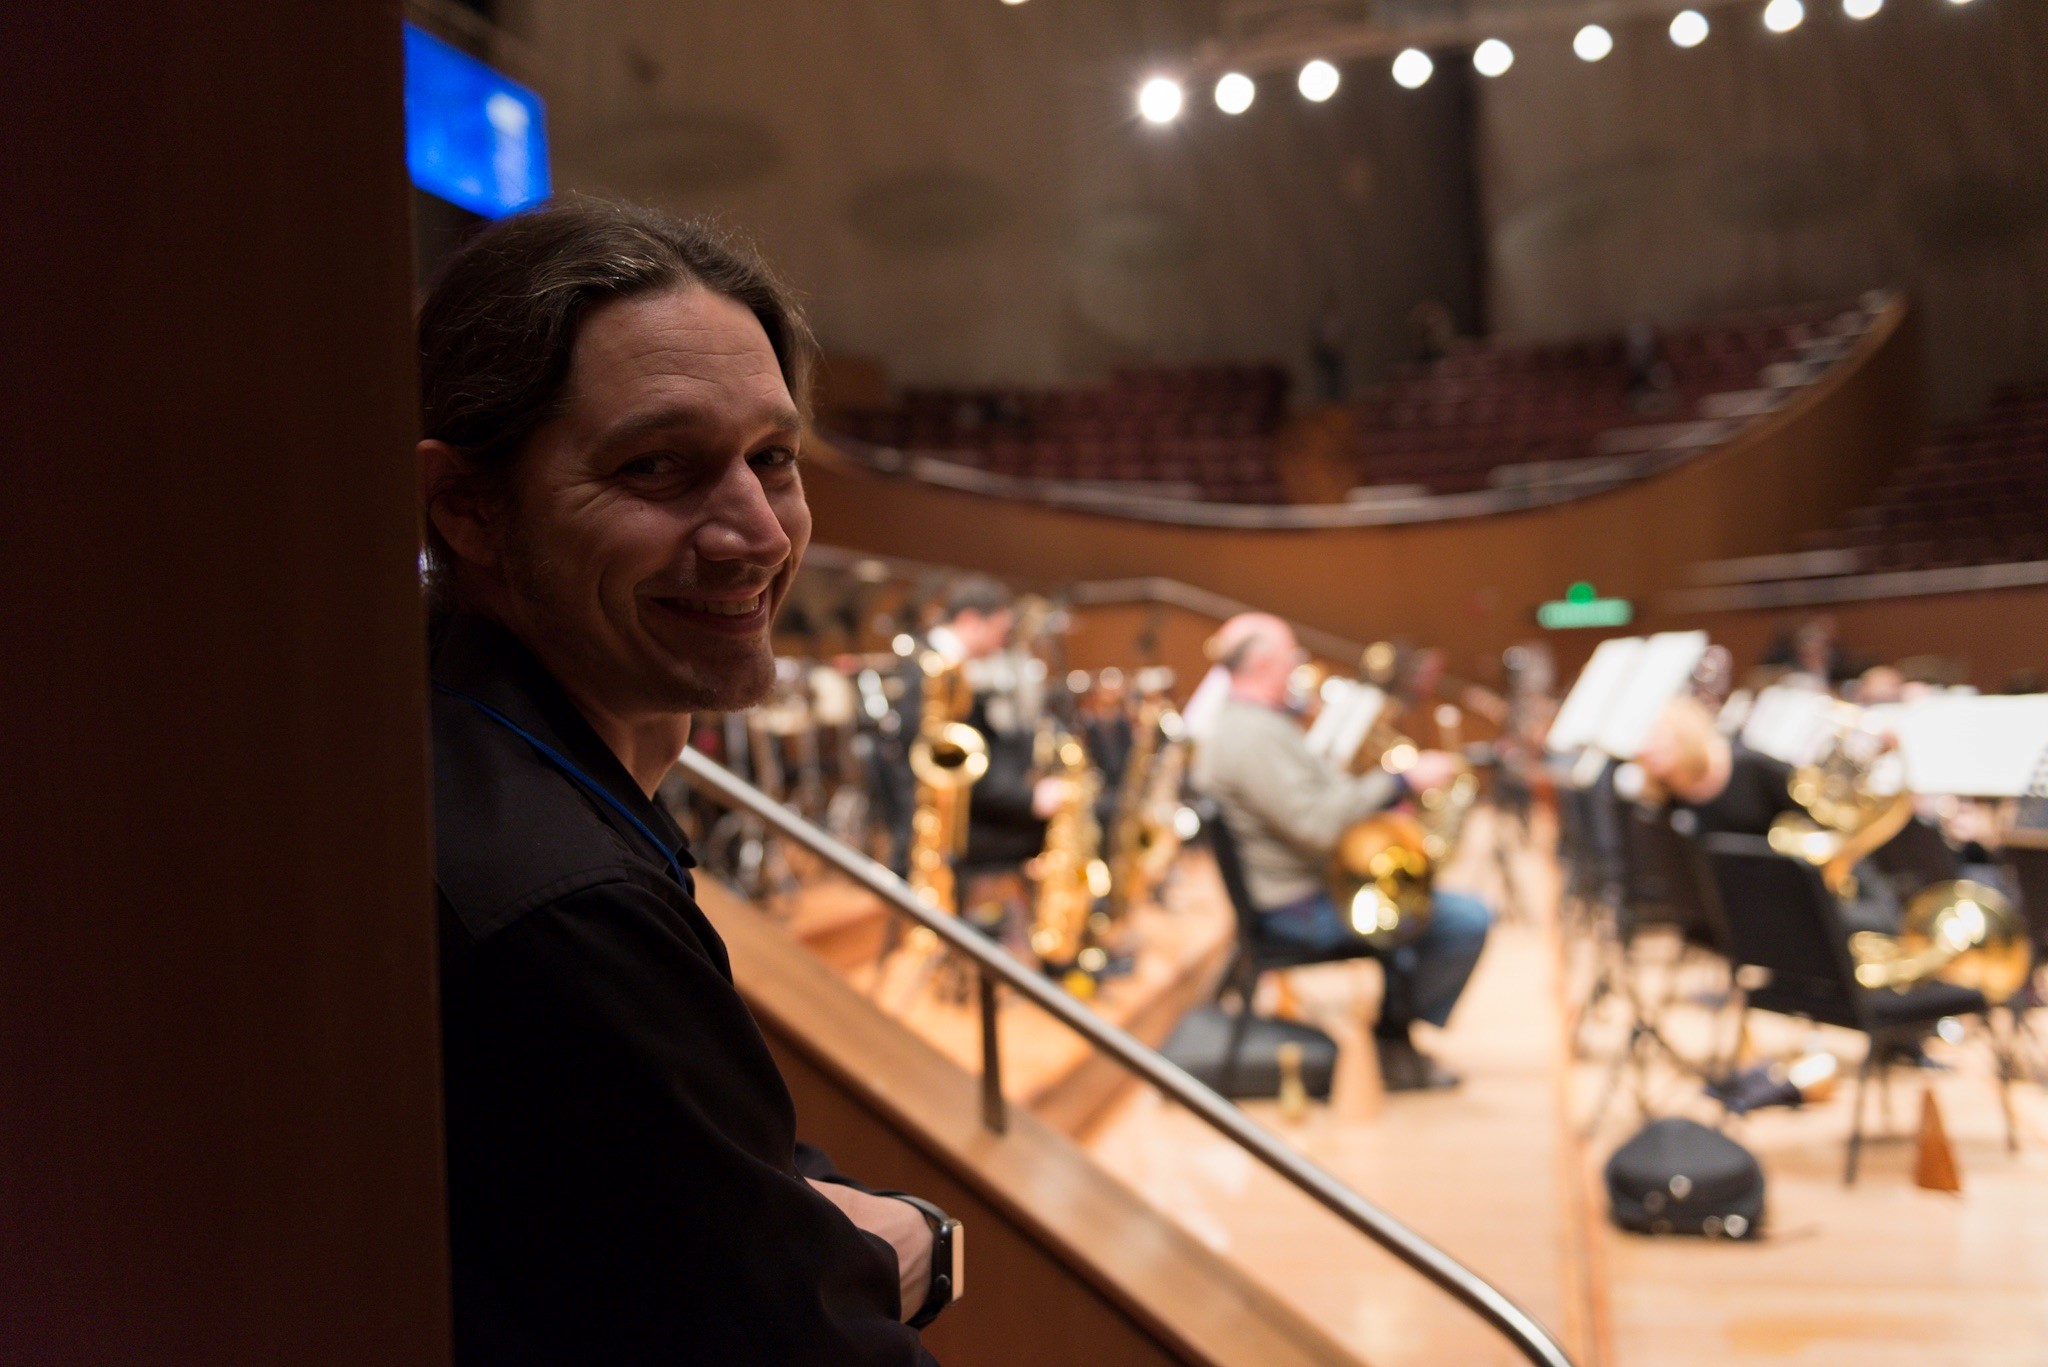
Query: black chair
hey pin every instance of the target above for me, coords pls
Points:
(2027, 862)
(1916, 857)
(1781, 918)
(2029, 865)
(1255, 954)
(1665, 881)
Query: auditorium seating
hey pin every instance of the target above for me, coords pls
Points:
(1977, 495)
(1191, 431)
(1488, 415)
(1491, 414)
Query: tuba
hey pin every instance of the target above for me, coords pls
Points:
(1959, 931)
(1846, 816)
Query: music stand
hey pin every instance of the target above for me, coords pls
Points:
(1578, 716)
(1608, 715)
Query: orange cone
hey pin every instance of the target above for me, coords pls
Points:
(1934, 1165)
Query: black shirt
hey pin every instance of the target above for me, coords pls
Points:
(1758, 792)
(624, 1181)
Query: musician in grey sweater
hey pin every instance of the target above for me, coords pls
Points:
(1286, 808)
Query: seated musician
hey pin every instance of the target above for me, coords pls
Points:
(1724, 789)
(1717, 787)
(1286, 808)
(1008, 807)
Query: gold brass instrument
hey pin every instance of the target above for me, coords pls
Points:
(1162, 824)
(1385, 865)
(947, 758)
(1071, 875)
(1959, 931)
(1128, 832)
(1380, 878)
(1845, 817)
(1443, 810)
(1142, 839)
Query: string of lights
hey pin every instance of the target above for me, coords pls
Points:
(1162, 98)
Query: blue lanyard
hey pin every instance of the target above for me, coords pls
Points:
(568, 766)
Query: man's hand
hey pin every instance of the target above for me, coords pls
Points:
(1431, 769)
(901, 1225)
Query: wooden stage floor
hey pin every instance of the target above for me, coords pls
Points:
(1883, 1274)
(1877, 1275)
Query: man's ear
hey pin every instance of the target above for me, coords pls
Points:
(457, 506)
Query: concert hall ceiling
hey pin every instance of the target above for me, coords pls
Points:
(964, 190)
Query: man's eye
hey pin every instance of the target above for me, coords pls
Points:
(774, 458)
(643, 467)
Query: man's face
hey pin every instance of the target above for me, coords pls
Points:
(657, 522)
(983, 635)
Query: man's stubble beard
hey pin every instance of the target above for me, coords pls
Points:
(536, 581)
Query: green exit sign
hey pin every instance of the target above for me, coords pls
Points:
(1582, 607)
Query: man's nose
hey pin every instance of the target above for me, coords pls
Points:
(741, 524)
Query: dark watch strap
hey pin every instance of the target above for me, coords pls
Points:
(946, 1257)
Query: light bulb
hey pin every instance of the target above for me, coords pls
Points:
(1318, 81)
(1159, 100)
(1592, 43)
(1689, 28)
(1234, 92)
(1412, 68)
(1782, 16)
(1492, 57)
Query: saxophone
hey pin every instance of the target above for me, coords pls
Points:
(947, 758)
(1143, 836)
(1163, 813)
(1130, 831)
(1072, 878)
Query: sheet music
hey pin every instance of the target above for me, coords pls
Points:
(1974, 746)
(1790, 724)
(1206, 701)
(1663, 668)
(1578, 719)
(1349, 710)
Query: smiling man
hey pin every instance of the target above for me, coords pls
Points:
(614, 514)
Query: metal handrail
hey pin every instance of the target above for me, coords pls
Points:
(994, 965)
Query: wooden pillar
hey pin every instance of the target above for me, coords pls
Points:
(219, 1095)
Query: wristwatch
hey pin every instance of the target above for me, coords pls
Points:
(949, 1258)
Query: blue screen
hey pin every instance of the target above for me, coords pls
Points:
(471, 136)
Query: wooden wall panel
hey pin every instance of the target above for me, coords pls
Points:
(219, 1082)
